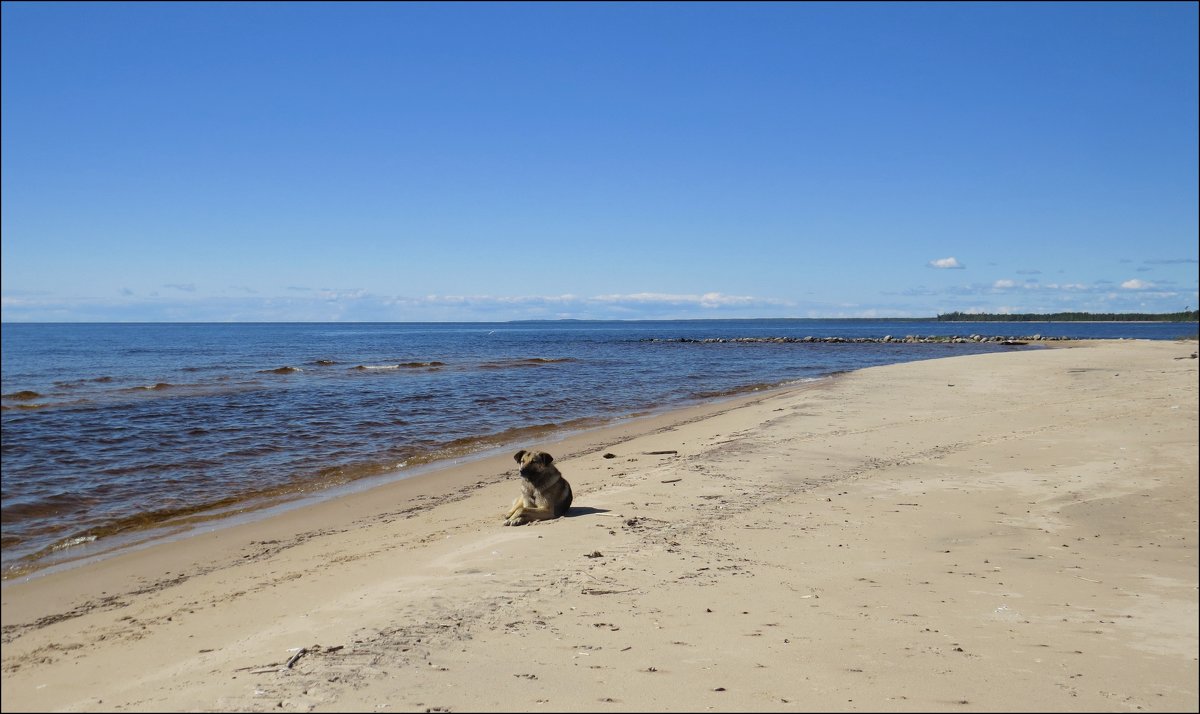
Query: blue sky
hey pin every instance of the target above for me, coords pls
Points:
(497, 161)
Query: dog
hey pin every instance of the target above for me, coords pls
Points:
(545, 494)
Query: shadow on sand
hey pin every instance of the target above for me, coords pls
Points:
(574, 511)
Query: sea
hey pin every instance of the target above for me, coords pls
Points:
(117, 434)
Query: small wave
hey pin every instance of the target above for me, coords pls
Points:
(280, 370)
(23, 395)
(402, 365)
(77, 383)
(532, 432)
(152, 387)
(43, 506)
(70, 542)
(324, 362)
(735, 391)
(74, 383)
(331, 476)
(525, 362)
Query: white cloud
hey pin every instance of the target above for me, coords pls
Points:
(1004, 284)
(950, 263)
(647, 298)
(1136, 284)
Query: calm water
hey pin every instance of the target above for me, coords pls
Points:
(116, 430)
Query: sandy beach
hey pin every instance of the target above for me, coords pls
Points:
(998, 532)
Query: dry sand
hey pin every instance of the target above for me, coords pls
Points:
(1005, 532)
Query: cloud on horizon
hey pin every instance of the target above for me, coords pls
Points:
(321, 305)
(358, 305)
(706, 301)
(950, 263)
(1031, 296)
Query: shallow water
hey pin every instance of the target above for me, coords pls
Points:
(116, 428)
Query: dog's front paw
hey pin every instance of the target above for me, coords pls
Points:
(515, 521)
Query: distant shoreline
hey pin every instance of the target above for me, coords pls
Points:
(1184, 316)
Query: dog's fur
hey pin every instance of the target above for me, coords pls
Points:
(545, 494)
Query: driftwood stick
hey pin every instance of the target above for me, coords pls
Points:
(303, 651)
(257, 668)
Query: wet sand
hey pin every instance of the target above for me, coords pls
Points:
(1000, 532)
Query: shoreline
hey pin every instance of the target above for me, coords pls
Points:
(255, 509)
(250, 512)
(887, 539)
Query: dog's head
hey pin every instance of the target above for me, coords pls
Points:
(532, 462)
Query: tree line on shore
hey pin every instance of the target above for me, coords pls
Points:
(1184, 316)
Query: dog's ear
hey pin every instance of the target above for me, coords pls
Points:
(545, 458)
(517, 456)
